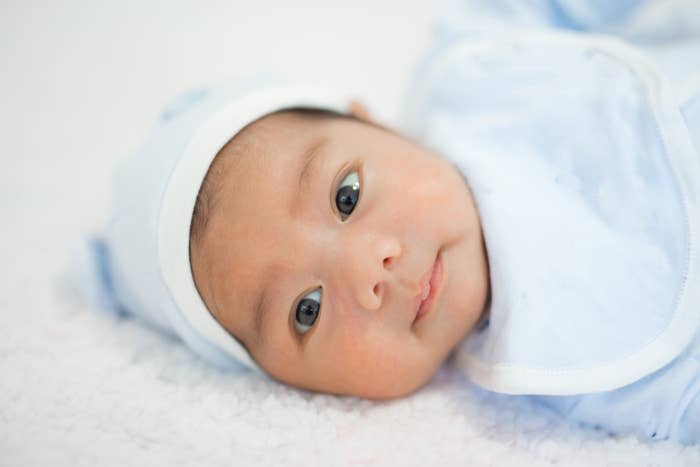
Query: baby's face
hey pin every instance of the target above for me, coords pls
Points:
(319, 251)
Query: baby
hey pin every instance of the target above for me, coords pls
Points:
(277, 226)
(344, 257)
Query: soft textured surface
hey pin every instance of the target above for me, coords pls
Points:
(79, 86)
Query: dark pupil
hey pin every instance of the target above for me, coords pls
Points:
(307, 310)
(346, 198)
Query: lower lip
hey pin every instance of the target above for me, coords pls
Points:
(435, 281)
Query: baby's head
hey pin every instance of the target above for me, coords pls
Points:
(315, 240)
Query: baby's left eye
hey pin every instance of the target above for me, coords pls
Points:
(348, 194)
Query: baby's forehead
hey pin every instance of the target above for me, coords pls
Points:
(278, 138)
(273, 141)
(267, 132)
(256, 143)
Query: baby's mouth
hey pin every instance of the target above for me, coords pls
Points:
(430, 286)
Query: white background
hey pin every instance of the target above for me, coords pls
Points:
(81, 82)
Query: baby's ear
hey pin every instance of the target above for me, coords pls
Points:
(357, 109)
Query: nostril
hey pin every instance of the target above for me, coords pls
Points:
(387, 261)
(377, 289)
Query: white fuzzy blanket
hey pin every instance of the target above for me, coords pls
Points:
(80, 83)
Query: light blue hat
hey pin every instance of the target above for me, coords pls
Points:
(141, 265)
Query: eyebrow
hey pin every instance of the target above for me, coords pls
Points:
(307, 165)
(307, 168)
(259, 313)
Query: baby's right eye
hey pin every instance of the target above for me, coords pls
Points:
(307, 311)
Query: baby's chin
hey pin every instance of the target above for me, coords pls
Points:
(387, 386)
(377, 392)
(394, 390)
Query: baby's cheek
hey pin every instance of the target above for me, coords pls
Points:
(375, 366)
(401, 366)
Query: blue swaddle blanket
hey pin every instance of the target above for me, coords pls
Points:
(579, 151)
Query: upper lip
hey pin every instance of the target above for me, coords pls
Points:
(425, 279)
(422, 283)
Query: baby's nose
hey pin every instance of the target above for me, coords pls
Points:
(368, 266)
